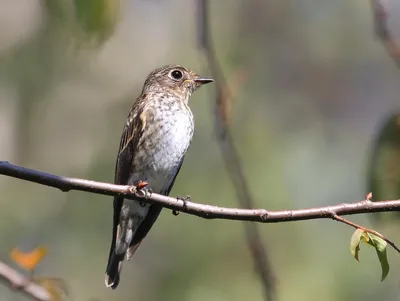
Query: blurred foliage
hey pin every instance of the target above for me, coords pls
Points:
(29, 261)
(384, 173)
(87, 20)
(38, 65)
(57, 288)
(97, 17)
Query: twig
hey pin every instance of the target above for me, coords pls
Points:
(230, 154)
(354, 225)
(192, 208)
(380, 17)
(21, 283)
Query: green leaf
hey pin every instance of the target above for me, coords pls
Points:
(374, 241)
(380, 247)
(84, 22)
(355, 243)
(97, 18)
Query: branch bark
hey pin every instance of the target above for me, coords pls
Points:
(192, 208)
(21, 283)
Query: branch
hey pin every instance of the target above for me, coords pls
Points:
(380, 18)
(356, 226)
(23, 284)
(223, 99)
(192, 208)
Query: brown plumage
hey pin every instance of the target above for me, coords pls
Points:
(156, 137)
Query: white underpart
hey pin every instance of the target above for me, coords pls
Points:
(164, 160)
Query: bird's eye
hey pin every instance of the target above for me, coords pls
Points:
(176, 74)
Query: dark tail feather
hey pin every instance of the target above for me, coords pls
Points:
(113, 270)
(122, 236)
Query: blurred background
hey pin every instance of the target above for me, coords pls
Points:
(316, 89)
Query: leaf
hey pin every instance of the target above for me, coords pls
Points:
(83, 22)
(374, 241)
(28, 261)
(56, 287)
(97, 18)
(355, 243)
(380, 247)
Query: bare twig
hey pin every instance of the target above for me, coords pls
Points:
(380, 17)
(23, 284)
(192, 208)
(230, 154)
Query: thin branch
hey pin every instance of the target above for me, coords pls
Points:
(192, 208)
(231, 157)
(354, 225)
(380, 18)
(21, 283)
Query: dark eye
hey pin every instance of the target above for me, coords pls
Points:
(176, 74)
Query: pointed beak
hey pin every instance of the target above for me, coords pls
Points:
(202, 81)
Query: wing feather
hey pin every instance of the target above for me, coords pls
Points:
(131, 135)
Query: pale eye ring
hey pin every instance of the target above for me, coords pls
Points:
(176, 74)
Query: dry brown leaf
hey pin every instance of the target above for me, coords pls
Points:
(28, 261)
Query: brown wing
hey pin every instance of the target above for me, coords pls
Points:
(133, 130)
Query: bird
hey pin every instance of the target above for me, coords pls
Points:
(156, 136)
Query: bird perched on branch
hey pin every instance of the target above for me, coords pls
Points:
(156, 137)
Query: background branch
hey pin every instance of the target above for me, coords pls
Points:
(21, 283)
(230, 154)
(380, 17)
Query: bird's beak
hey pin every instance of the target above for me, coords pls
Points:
(202, 81)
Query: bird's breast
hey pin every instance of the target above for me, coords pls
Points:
(163, 145)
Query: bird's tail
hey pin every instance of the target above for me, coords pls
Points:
(113, 269)
(122, 237)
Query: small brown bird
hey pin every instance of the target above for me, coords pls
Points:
(156, 137)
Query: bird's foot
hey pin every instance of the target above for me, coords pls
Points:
(145, 192)
(141, 184)
(184, 199)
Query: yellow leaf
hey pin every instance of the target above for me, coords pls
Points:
(56, 287)
(30, 260)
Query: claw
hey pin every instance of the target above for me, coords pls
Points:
(141, 186)
(184, 199)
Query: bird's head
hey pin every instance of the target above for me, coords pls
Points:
(174, 79)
